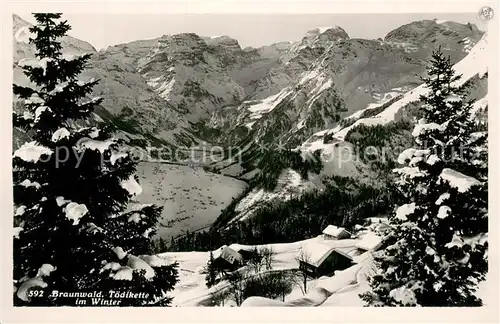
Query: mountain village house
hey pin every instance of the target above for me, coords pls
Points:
(332, 232)
(369, 242)
(227, 259)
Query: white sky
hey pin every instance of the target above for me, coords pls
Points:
(102, 30)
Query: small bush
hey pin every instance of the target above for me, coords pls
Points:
(270, 285)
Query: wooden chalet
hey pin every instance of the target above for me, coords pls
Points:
(227, 259)
(336, 252)
(324, 260)
(332, 232)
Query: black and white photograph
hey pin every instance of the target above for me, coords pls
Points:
(250, 160)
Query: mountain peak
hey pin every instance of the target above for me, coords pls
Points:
(315, 42)
(327, 33)
(223, 40)
(330, 29)
(18, 20)
(428, 31)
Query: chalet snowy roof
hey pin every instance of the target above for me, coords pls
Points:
(369, 242)
(228, 254)
(334, 230)
(315, 252)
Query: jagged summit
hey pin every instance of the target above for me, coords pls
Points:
(224, 43)
(18, 22)
(334, 31)
(321, 37)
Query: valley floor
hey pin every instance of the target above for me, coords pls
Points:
(191, 197)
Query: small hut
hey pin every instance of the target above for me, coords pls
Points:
(323, 260)
(332, 232)
(369, 242)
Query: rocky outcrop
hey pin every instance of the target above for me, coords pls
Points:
(185, 72)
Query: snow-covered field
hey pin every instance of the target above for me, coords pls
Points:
(185, 192)
(341, 289)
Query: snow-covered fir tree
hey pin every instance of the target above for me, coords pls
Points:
(74, 228)
(437, 252)
(211, 276)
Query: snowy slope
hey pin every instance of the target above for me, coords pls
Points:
(290, 184)
(338, 160)
(479, 106)
(22, 48)
(264, 106)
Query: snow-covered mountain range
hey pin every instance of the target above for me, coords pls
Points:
(186, 88)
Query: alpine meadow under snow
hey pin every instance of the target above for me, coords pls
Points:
(185, 170)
